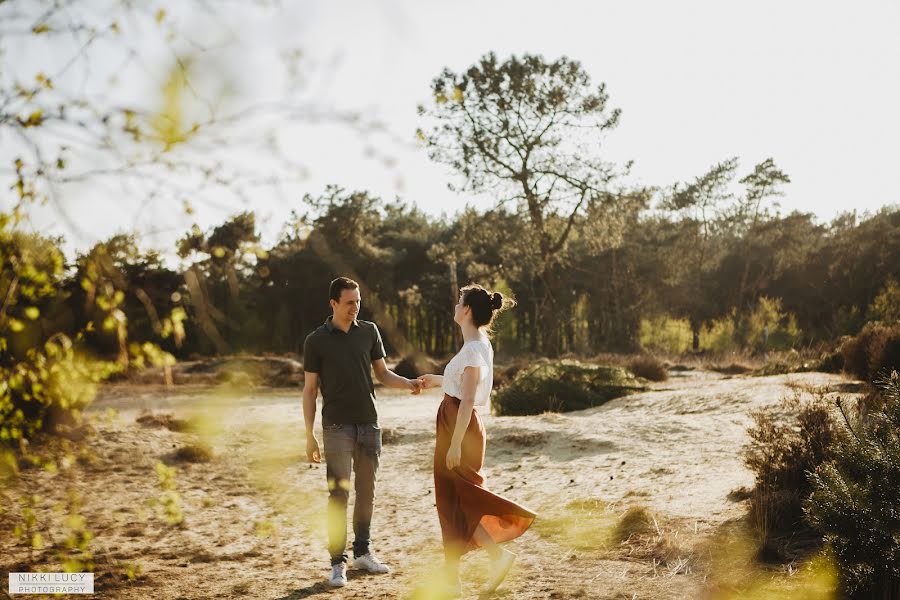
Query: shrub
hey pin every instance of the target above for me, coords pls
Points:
(886, 306)
(168, 421)
(648, 367)
(407, 368)
(419, 364)
(562, 386)
(874, 352)
(855, 504)
(194, 453)
(732, 369)
(666, 334)
(46, 377)
(783, 333)
(781, 453)
(831, 362)
(884, 352)
(719, 336)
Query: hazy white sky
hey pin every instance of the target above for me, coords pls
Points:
(813, 84)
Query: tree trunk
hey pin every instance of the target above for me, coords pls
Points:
(695, 335)
(454, 298)
(549, 317)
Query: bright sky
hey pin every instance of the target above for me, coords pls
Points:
(813, 84)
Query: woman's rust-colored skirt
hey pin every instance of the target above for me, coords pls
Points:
(463, 502)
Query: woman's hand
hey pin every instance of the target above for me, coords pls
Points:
(454, 456)
(430, 381)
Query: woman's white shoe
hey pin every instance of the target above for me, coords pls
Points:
(499, 569)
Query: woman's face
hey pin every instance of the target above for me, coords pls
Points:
(461, 312)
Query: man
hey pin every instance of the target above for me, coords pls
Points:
(339, 357)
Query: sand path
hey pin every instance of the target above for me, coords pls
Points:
(254, 524)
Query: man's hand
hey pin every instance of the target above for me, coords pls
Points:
(454, 456)
(312, 449)
(415, 386)
(429, 381)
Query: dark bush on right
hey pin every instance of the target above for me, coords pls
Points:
(873, 353)
(648, 367)
(562, 386)
(855, 502)
(787, 443)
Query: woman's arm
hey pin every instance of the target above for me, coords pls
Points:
(469, 384)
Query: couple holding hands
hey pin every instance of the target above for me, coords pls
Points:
(339, 357)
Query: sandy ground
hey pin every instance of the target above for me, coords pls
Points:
(254, 515)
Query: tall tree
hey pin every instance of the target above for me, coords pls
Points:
(222, 258)
(528, 132)
(762, 186)
(701, 204)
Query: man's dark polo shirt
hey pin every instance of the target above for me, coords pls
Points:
(344, 364)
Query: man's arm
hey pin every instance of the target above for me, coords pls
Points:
(390, 379)
(310, 391)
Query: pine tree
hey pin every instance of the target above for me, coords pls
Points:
(856, 501)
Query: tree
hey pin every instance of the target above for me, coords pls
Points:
(115, 284)
(222, 258)
(152, 102)
(528, 132)
(702, 204)
(762, 185)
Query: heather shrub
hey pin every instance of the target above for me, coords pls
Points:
(787, 443)
(648, 367)
(874, 352)
(562, 386)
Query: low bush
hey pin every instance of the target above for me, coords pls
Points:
(830, 362)
(194, 453)
(787, 443)
(563, 386)
(649, 367)
(873, 353)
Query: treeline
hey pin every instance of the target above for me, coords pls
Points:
(670, 281)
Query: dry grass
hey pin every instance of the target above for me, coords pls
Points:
(594, 527)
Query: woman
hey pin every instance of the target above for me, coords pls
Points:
(470, 515)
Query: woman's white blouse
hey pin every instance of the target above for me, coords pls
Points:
(474, 353)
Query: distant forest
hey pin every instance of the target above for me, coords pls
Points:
(663, 279)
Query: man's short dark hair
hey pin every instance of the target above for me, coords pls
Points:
(339, 285)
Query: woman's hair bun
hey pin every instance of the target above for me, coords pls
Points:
(496, 300)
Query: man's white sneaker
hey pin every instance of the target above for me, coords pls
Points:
(370, 563)
(338, 575)
(499, 570)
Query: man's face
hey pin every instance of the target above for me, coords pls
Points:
(347, 308)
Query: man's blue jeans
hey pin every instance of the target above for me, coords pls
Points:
(356, 447)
